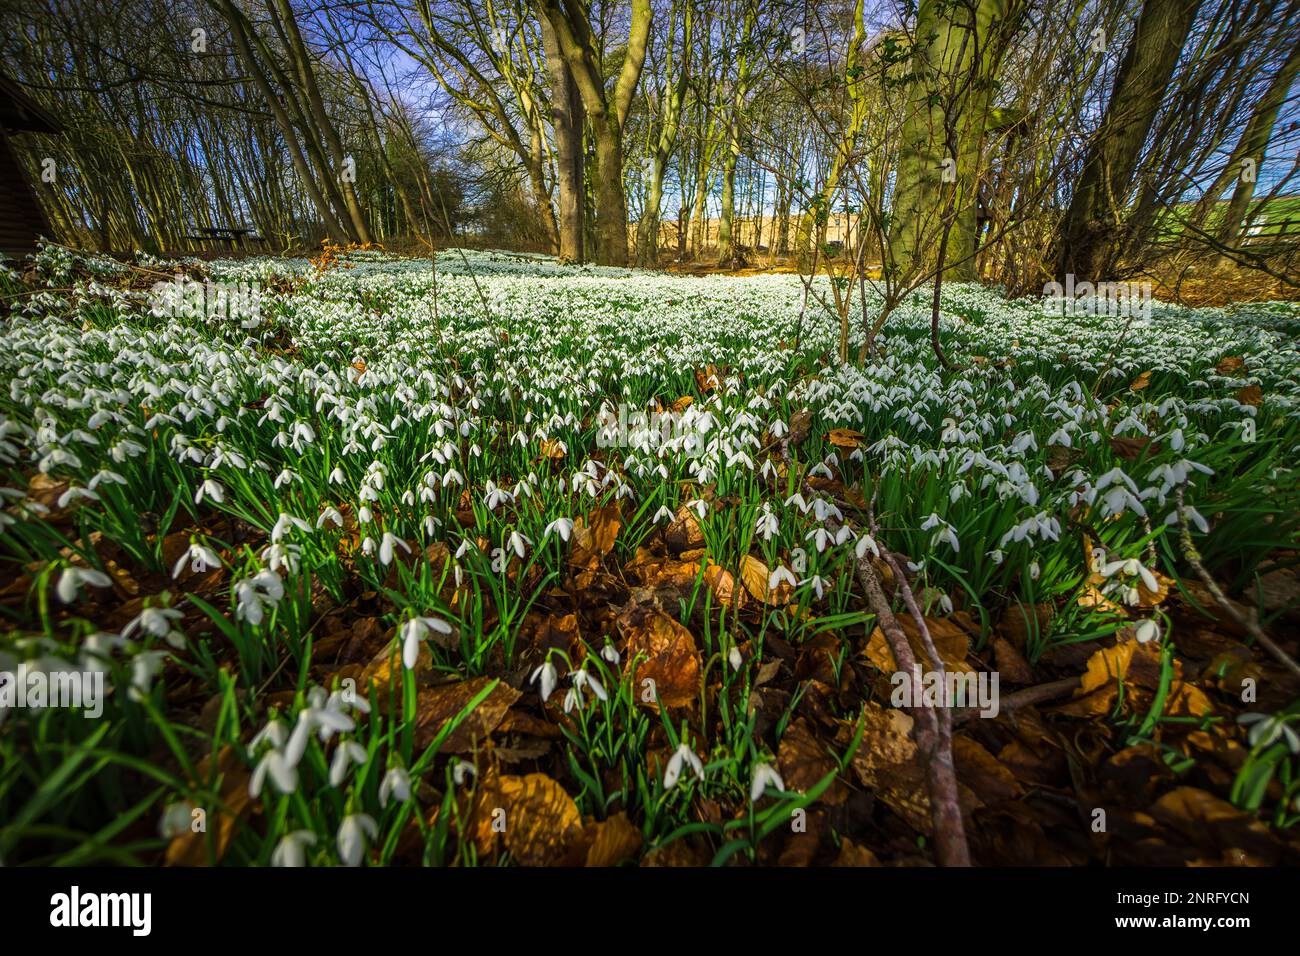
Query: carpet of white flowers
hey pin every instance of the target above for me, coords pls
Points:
(516, 562)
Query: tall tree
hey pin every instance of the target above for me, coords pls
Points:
(606, 109)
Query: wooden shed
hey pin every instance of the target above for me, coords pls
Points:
(21, 217)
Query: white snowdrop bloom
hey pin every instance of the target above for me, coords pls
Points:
(663, 514)
(291, 851)
(337, 477)
(176, 819)
(560, 526)
(495, 497)
(797, 500)
(735, 658)
(285, 523)
(198, 558)
(764, 776)
(517, 543)
(209, 489)
(365, 515)
(387, 547)
(414, 631)
(816, 583)
(767, 525)
(699, 506)
(820, 538)
(282, 773)
(866, 543)
(823, 508)
(156, 621)
(1194, 518)
(347, 752)
(332, 515)
(781, 575)
(582, 679)
(1266, 729)
(778, 428)
(461, 771)
(1147, 630)
(354, 833)
(274, 733)
(256, 594)
(610, 654)
(396, 783)
(1034, 571)
(73, 578)
(682, 757)
(996, 556)
(549, 679)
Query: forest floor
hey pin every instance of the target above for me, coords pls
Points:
(520, 563)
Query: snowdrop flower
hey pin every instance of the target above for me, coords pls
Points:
(386, 548)
(461, 771)
(1147, 630)
(72, 578)
(864, 544)
(1194, 517)
(209, 489)
(254, 595)
(765, 775)
(273, 733)
(352, 837)
(517, 543)
(176, 819)
(1034, 571)
(781, 575)
(330, 514)
(291, 851)
(663, 514)
(699, 506)
(580, 680)
(561, 526)
(283, 774)
(820, 538)
(735, 658)
(996, 556)
(817, 584)
(549, 679)
(1265, 729)
(495, 496)
(610, 653)
(414, 631)
(767, 524)
(396, 783)
(286, 522)
(347, 752)
(681, 757)
(198, 557)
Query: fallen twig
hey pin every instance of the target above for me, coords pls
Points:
(933, 728)
(1249, 622)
